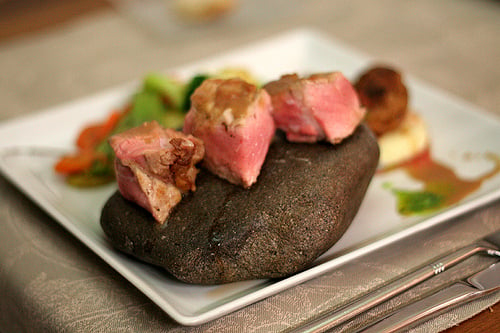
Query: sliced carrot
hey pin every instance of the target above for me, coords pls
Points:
(71, 164)
(93, 135)
(88, 139)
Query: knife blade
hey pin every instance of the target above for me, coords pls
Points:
(489, 245)
(478, 285)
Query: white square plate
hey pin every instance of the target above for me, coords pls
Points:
(29, 147)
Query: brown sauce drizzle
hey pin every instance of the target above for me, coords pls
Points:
(442, 186)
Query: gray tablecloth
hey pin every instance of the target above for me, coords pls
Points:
(50, 282)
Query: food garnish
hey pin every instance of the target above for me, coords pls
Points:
(442, 186)
(401, 132)
(404, 143)
(382, 91)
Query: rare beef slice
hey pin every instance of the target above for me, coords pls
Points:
(306, 197)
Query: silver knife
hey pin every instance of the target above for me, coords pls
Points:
(335, 317)
(478, 285)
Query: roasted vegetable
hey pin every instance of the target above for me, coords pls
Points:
(92, 164)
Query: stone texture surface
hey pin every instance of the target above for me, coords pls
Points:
(305, 198)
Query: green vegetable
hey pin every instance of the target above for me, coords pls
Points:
(146, 106)
(88, 180)
(416, 202)
(174, 119)
(172, 90)
(195, 82)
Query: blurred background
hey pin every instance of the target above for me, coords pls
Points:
(83, 46)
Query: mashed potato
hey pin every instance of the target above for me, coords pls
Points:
(405, 142)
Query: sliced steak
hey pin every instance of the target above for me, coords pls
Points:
(155, 165)
(319, 107)
(233, 118)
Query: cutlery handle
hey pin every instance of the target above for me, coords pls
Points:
(349, 311)
(428, 307)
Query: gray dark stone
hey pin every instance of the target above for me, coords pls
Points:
(304, 200)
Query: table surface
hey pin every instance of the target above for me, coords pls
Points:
(55, 51)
